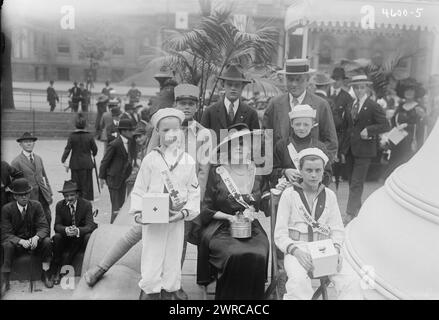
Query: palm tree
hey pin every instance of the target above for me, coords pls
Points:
(198, 56)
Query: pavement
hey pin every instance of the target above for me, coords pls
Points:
(51, 150)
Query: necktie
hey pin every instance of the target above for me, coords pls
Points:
(355, 110)
(31, 158)
(294, 102)
(72, 212)
(231, 113)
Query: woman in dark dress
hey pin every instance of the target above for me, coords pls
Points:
(82, 145)
(407, 117)
(239, 264)
(302, 120)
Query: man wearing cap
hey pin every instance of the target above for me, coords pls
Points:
(133, 94)
(368, 121)
(231, 109)
(52, 96)
(116, 165)
(130, 114)
(297, 72)
(24, 229)
(110, 121)
(307, 212)
(73, 227)
(33, 171)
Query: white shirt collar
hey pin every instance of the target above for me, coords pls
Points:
(27, 154)
(227, 103)
(74, 204)
(124, 140)
(362, 100)
(21, 208)
(335, 92)
(299, 98)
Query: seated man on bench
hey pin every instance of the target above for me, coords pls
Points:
(24, 229)
(308, 211)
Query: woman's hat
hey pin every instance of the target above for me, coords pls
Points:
(20, 186)
(236, 131)
(313, 152)
(360, 79)
(125, 124)
(338, 73)
(233, 73)
(321, 79)
(69, 186)
(410, 83)
(302, 111)
(297, 66)
(139, 131)
(27, 136)
(165, 113)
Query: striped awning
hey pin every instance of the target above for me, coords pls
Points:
(408, 15)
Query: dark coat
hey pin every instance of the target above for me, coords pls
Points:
(83, 217)
(117, 164)
(372, 117)
(9, 174)
(215, 117)
(52, 96)
(341, 111)
(82, 145)
(133, 119)
(14, 227)
(276, 118)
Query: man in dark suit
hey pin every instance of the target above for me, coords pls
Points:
(117, 164)
(230, 110)
(75, 95)
(24, 229)
(9, 174)
(52, 96)
(368, 121)
(130, 114)
(73, 227)
(276, 117)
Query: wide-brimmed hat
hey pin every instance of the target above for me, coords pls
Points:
(297, 66)
(410, 83)
(165, 113)
(20, 186)
(360, 79)
(113, 102)
(302, 111)
(27, 136)
(233, 73)
(338, 73)
(321, 79)
(236, 131)
(69, 186)
(186, 91)
(125, 124)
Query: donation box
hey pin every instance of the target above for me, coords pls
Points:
(155, 208)
(324, 257)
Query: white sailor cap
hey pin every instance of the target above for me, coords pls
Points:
(302, 111)
(313, 152)
(165, 113)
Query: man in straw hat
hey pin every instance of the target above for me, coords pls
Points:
(166, 169)
(231, 109)
(297, 73)
(308, 212)
(116, 165)
(24, 229)
(33, 171)
(73, 227)
(368, 121)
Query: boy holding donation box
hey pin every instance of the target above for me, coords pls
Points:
(309, 231)
(167, 171)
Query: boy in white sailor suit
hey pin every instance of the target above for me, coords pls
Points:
(166, 169)
(308, 211)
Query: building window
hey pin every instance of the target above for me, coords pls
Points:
(63, 74)
(117, 75)
(63, 46)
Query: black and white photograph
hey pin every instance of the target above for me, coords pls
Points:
(233, 153)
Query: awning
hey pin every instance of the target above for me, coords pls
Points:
(409, 15)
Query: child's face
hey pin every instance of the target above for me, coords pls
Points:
(312, 172)
(302, 126)
(188, 107)
(169, 131)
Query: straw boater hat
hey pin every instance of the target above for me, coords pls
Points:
(186, 91)
(313, 152)
(302, 111)
(360, 79)
(19, 186)
(297, 66)
(69, 186)
(233, 73)
(165, 113)
(321, 79)
(27, 136)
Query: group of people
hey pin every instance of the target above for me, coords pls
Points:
(207, 168)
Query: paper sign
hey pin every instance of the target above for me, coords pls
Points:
(396, 136)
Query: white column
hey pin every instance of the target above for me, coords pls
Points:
(305, 42)
(435, 55)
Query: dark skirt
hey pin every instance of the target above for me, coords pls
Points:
(241, 263)
(84, 179)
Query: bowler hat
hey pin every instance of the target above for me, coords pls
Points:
(297, 66)
(27, 136)
(20, 186)
(69, 186)
(321, 79)
(125, 124)
(233, 73)
(338, 73)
